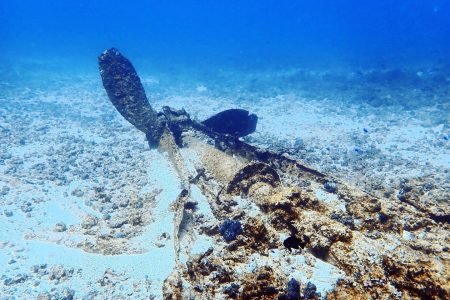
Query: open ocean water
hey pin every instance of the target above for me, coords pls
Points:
(359, 90)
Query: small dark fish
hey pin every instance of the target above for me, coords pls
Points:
(292, 243)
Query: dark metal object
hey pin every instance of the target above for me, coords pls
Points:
(125, 90)
(127, 94)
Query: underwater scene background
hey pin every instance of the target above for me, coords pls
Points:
(240, 34)
(358, 90)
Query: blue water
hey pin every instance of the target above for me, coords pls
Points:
(233, 33)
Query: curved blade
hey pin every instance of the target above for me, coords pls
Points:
(125, 91)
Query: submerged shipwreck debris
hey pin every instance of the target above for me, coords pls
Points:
(274, 228)
(126, 92)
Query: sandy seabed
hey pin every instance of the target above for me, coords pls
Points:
(85, 204)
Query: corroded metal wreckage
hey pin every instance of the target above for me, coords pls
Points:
(277, 228)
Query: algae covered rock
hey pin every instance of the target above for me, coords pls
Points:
(230, 229)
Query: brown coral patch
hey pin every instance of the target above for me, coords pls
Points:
(257, 236)
(416, 279)
(262, 284)
(349, 290)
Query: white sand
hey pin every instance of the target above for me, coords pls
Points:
(68, 137)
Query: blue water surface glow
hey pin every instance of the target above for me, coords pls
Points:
(241, 33)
